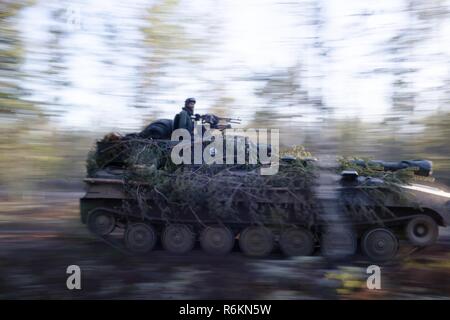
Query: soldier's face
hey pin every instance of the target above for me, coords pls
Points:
(191, 105)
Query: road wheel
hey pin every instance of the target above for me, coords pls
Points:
(379, 244)
(217, 240)
(101, 222)
(256, 241)
(178, 238)
(422, 231)
(297, 242)
(140, 237)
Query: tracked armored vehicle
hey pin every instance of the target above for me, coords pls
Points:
(136, 197)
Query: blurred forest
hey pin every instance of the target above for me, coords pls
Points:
(353, 78)
(362, 78)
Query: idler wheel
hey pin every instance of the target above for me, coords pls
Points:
(297, 242)
(140, 237)
(256, 241)
(101, 222)
(379, 244)
(422, 231)
(217, 240)
(178, 238)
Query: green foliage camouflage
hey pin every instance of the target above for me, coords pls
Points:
(224, 191)
(221, 190)
(376, 171)
(385, 189)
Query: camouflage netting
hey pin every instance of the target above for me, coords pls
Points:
(225, 191)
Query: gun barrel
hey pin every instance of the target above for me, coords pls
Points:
(231, 120)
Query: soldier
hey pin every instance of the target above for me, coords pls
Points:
(183, 120)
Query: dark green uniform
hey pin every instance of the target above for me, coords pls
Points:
(183, 120)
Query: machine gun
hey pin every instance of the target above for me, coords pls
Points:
(214, 121)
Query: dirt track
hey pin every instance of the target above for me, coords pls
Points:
(39, 241)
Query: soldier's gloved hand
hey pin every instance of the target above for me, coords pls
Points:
(197, 117)
(211, 119)
(215, 119)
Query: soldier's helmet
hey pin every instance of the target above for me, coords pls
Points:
(189, 100)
